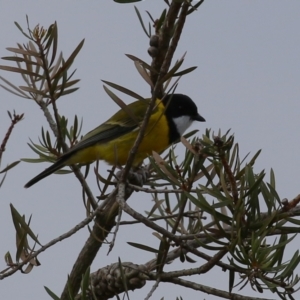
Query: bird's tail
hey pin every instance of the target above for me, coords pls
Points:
(56, 166)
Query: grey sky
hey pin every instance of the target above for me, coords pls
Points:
(247, 53)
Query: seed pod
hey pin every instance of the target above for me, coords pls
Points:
(153, 51)
(154, 40)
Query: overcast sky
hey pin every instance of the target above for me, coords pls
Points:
(247, 53)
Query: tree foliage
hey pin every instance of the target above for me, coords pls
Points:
(211, 205)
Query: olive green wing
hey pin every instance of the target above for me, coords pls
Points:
(119, 124)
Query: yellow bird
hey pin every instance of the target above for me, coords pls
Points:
(113, 140)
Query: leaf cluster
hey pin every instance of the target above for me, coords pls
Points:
(211, 200)
(212, 181)
(44, 71)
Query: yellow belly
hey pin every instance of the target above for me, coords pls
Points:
(116, 152)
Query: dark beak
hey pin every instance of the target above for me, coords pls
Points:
(198, 118)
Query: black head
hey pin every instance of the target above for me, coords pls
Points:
(181, 111)
(179, 105)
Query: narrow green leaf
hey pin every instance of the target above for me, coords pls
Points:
(278, 255)
(201, 174)
(139, 17)
(163, 249)
(66, 65)
(22, 244)
(10, 166)
(124, 90)
(172, 70)
(123, 277)
(190, 260)
(142, 71)
(57, 65)
(194, 7)
(17, 218)
(224, 185)
(144, 64)
(54, 88)
(70, 289)
(68, 91)
(150, 16)
(63, 172)
(294, 221)
(291, 266)
(75, 127)
(209, 239)
(8, 259)
(41, 154)
(20, 71)
(269, 200)
(157, 205)
(22, 51)
(85, 281)
(274, 193)
(68, 84)
(143, 247)
(20, 28)
(214, 193)
(190, 134)
(272, 179)
(120, 103)
(54, 42)
(251, 163)
(169, 174)
(2, 180)
(34, 160)
(13, 58)
(161, 19)
(185, 71)
(51, 294)
(256, 182)
(34, 91)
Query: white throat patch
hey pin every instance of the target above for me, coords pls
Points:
(182, 123)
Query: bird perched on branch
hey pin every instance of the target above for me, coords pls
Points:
(112, 140)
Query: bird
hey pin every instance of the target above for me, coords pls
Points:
(112, 140)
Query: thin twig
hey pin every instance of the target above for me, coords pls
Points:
(120, 198)
(189, 214)
(48, 116)
(159, 62)
(157, 191)
(196, 271)
(14, 121)
(153, 289)
(53, 99)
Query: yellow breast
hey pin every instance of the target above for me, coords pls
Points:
(116, 152)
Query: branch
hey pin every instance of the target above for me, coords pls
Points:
(210, 290)
(164, 42)
(104, 223)
(188, 214)
(14, 121)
